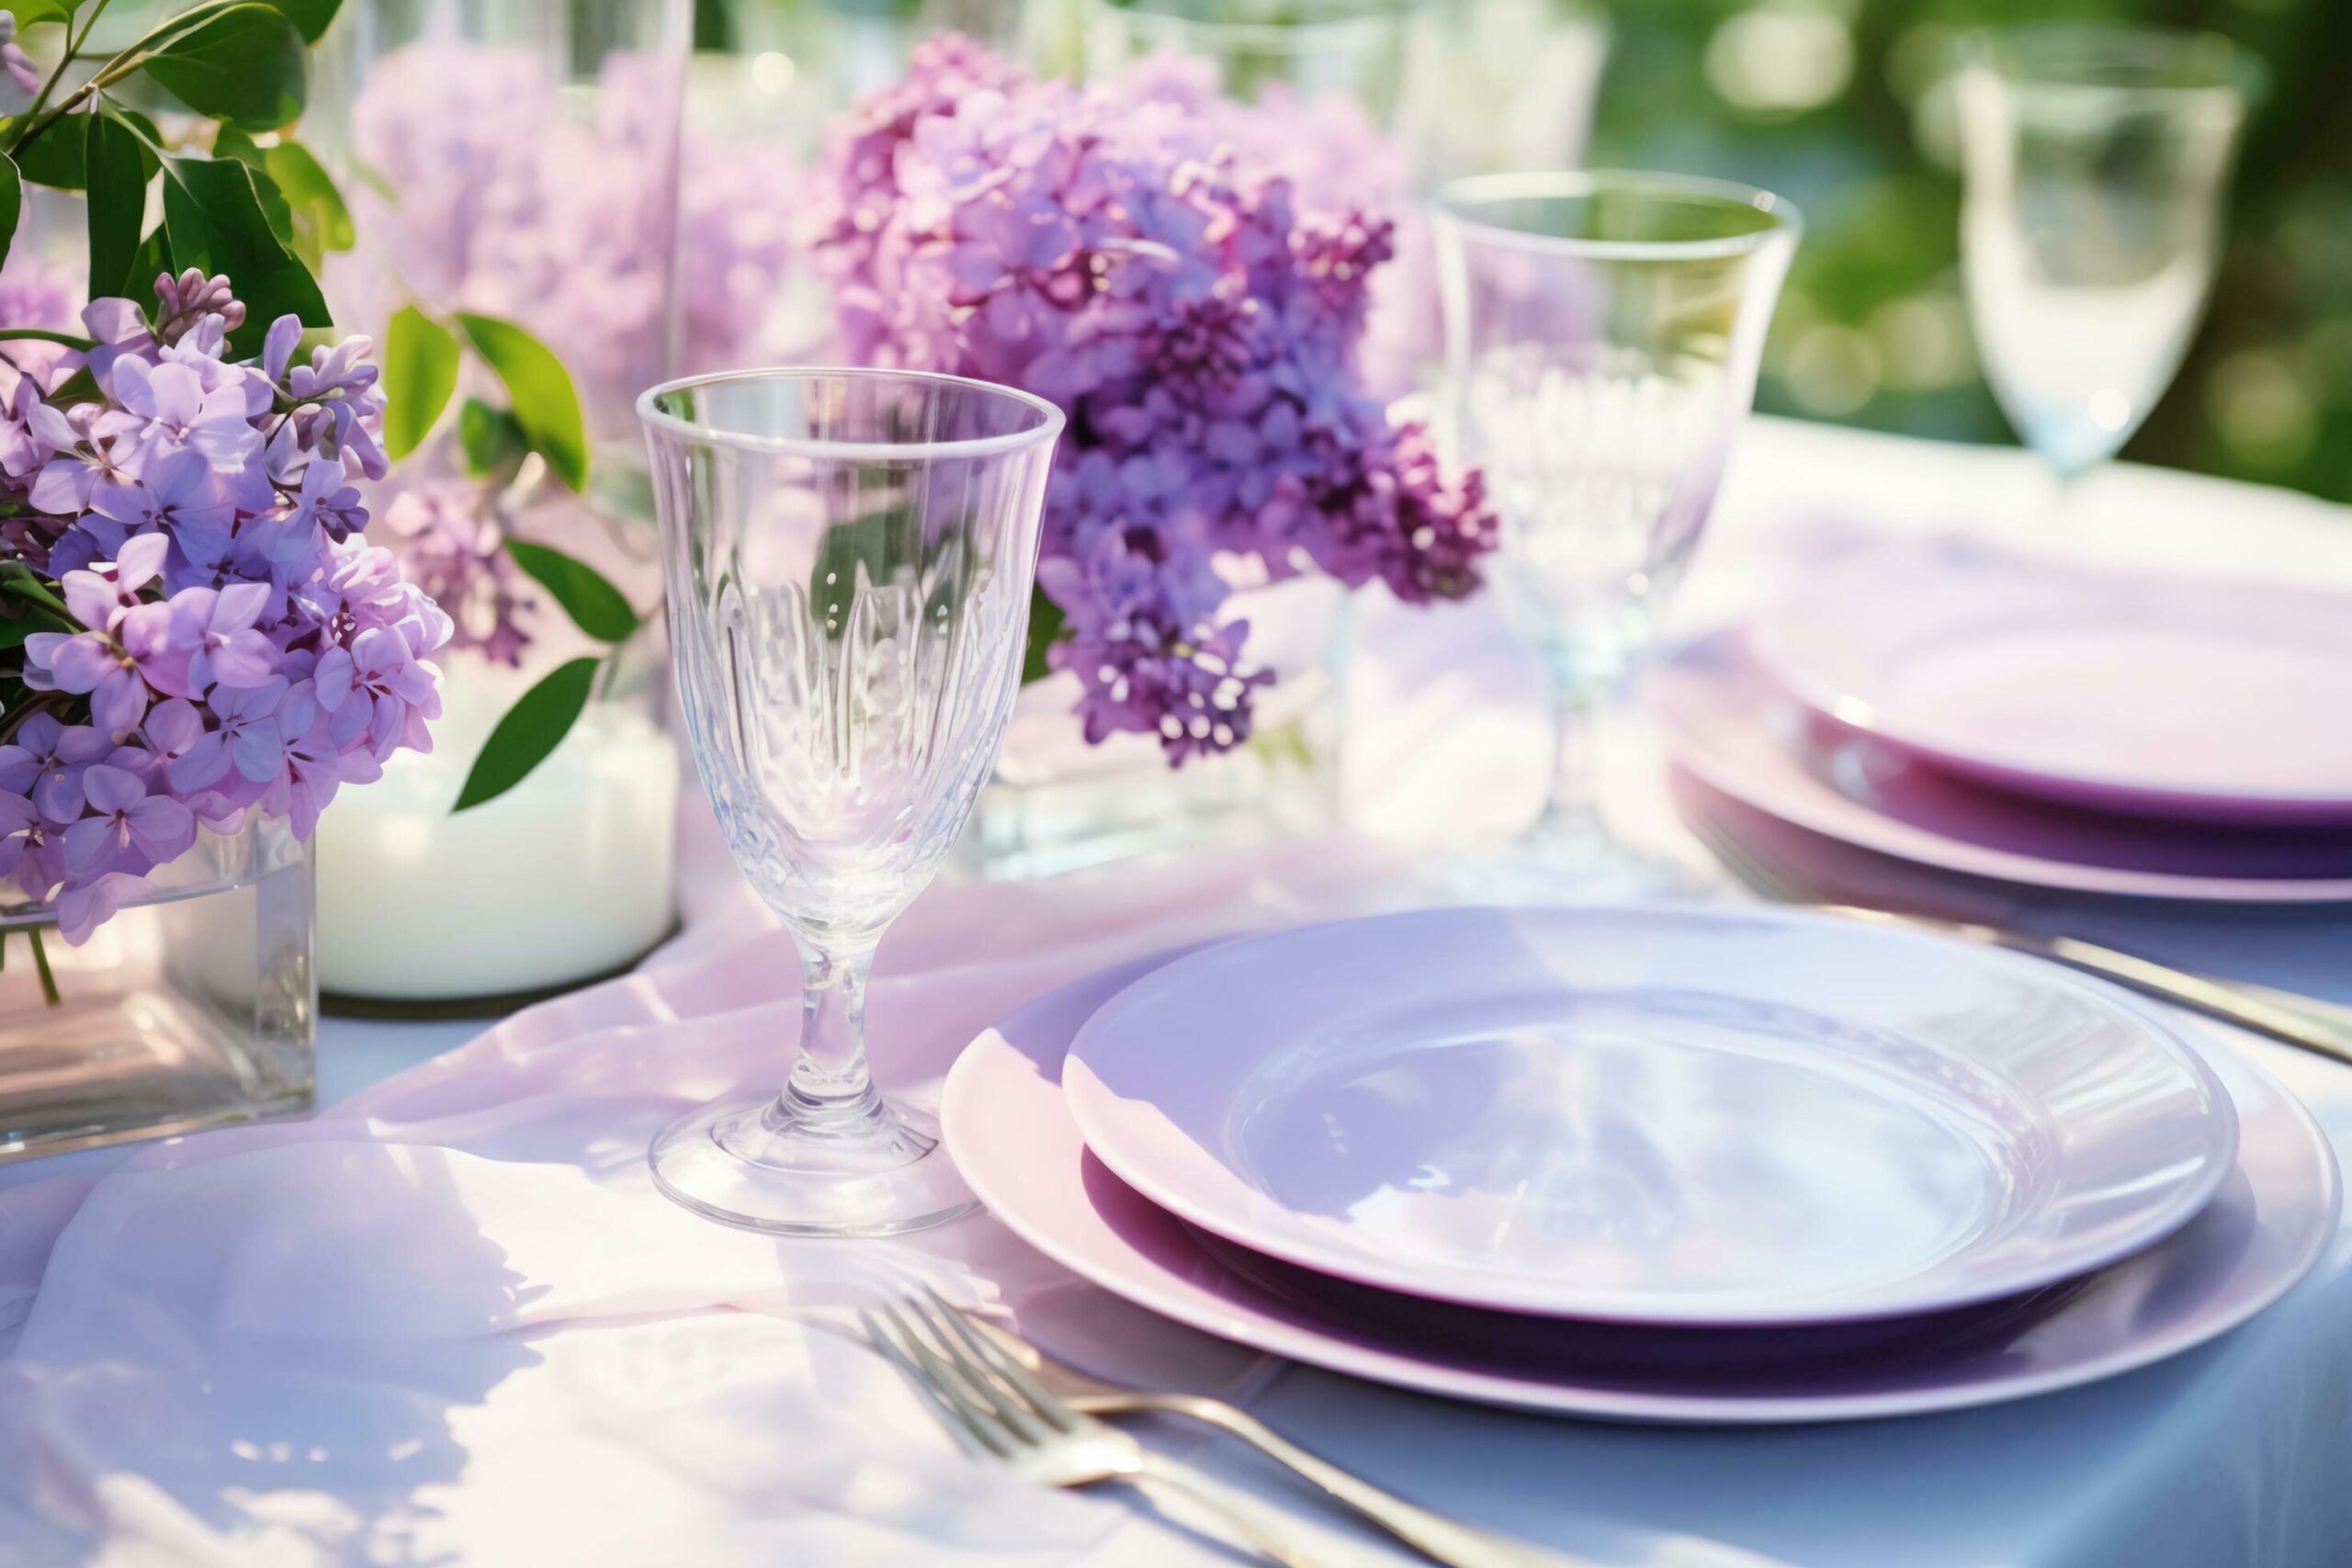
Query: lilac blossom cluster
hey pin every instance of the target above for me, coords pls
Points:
(1111, 250)
(211, 637)
(449, 534)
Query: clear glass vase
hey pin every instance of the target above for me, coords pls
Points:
(518, 159)
(193, 1007)
(1058, 804)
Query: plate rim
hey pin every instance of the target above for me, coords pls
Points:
(991, 1051)
(1534, 1300)
(1851, 822)
(1769, 643)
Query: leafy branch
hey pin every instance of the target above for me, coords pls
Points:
(264, 214)
(424, 360)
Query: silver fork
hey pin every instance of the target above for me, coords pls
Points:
(999, 1413)
(2309, 1022)
(1435, 1537)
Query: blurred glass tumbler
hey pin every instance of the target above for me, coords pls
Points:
(1602, 337)
(850, 559)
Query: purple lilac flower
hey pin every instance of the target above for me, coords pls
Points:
(127, 828)
(18, 64)
(192, 302)
(198, 522)
(1114, 250)
(176, 412)
(453, 546)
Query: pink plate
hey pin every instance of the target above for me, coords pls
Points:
(1652, 1114)
(1734, 729)
(1010, 1133)
(2170, 696)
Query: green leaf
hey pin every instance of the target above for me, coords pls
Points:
(21, 580)
(118, 203)
(54, 157)
(12, 204)
(533, 726)
(213, 220)
(310, 17)
(1045, 620)
(153, 258)
(595, 606)
(491, 438)
(540, 391)
(243, 63)
(420, 372)
(305, 211)
(79, 388)
(32, 13)
(319, 210)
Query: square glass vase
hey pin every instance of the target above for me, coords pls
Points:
(1058, 804)
(193, 1007)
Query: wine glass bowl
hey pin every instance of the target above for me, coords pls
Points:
(851, 555)
(1603, 332)
(2097, 163)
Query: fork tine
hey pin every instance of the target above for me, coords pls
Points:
(974, 1435)
(949, 1366)
(1007, 1370)
(977, 1378)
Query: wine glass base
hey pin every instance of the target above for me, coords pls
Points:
(1544, 868)
(741, 1163)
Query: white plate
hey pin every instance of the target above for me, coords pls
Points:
(1730, 726)
(2111, 691)
(1656, 1115)
(1010, 1133)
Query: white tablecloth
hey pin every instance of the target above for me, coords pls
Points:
(447, 1321)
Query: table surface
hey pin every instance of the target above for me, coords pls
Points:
(2234, 1454)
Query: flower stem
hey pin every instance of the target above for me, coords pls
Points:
(44, 335)
(34, 121)
(40, 962)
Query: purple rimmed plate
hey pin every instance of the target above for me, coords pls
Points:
(2169, 697)
(1010, 1132)
(1668, 1114)
(1732, 727)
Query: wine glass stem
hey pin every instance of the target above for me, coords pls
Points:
(1572, 805)
(831, 1091)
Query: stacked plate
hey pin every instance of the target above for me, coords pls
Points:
(1649, 1163)
(1958, 710)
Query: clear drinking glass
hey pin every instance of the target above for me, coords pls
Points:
(1354, 50)
(1603, 333)
(850, 558)
(2098, 164)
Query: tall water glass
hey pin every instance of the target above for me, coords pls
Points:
(2098, 164)
(1351, 49)
(1602, 334)
(850, 558)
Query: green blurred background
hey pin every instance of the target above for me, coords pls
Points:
(1836, 104)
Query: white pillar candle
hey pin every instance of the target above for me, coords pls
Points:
(567, 875)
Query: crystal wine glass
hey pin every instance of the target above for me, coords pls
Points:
(850, 557)
(2098, 164)
(1603, 335)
